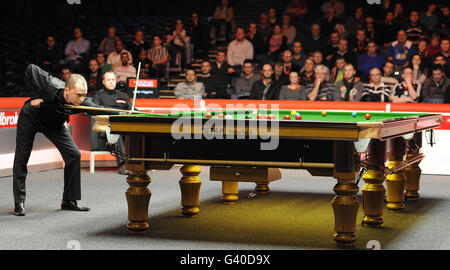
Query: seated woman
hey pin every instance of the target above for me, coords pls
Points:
(277, 43)
(293, 91)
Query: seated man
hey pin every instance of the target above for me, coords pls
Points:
(436, 89)
(238, 50)
(159, 56)
(212, 88)
(244, 83)
(376, 90)
(114, 58)
(190, 89)
(322, 88)
(406, 91)
(109, 97)
(124, 70)
(350, 88)
(77, 49)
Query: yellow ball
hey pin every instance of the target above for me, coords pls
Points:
(293, 112)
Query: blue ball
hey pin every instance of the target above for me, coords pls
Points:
(354, 114)
(297, 114)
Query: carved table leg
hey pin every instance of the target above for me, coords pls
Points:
(138, 198)
(190, 190)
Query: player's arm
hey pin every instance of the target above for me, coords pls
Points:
(41, 84)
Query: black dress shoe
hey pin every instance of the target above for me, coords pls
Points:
(73, 206)
(19, 210)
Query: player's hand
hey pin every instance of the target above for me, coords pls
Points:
(37, 102)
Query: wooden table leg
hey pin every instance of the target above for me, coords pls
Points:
(138, 198)
(345, 207)
(190, 190)
(373, 191)
(396, 182)
(413, 172)
(229, 192)
(345, 203)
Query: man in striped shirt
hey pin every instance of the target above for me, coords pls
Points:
(159, 56)
(375, 90)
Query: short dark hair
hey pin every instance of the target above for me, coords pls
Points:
(248, 61)
(437, 67)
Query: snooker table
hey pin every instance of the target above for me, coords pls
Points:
(250, 145)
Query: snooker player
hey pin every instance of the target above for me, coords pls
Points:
(49, 120)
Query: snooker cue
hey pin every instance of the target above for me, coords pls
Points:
(135, 87)
(87, 108)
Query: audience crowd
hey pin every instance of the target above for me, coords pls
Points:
(400, 53)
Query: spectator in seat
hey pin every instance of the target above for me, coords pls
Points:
(238, 50)
(337, 5)
(401, 50)
(388, 31)
(264, 27)
(190, 89)
(93, 77)
(297, 9)
(125, 70)
(414, 30)
(49, 55)
(321, 89)
(370, 60)
(212, 88)
(376, 90)
(261, 89)
(258, 42)
(445, 50)
(333, 47)
(307, 74)
(108, 43)
(272, 17)
(138, 45)
(429, 18)
(180, 42)
(329, 22)
(420, 70)
(223, 19)
(277, 43)
(288, 65)
(360, 43)
(66, 72)
(146, 65)
(399, 15)
(77, 49)
(198, 31)
(436, 88)
(293, 91)
(422, 50)
(115, 58)
(299, 57)
(288, 30)
(389, 76)
(350, 88)
(159, 57)
(356, 21)
(407, 91)
(337, 72)
(315, 42)
(102, 63)
(278, 80)
(342, 50)
(317, 56)
(244, 84)
(440, 60)
(221, 71)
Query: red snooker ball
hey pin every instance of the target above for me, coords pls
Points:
(259, 116)
(221, 115)
(298, 117)
(208, 115)
(367, 116)
(287, 117)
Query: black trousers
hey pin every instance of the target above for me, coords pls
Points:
(61, 138)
